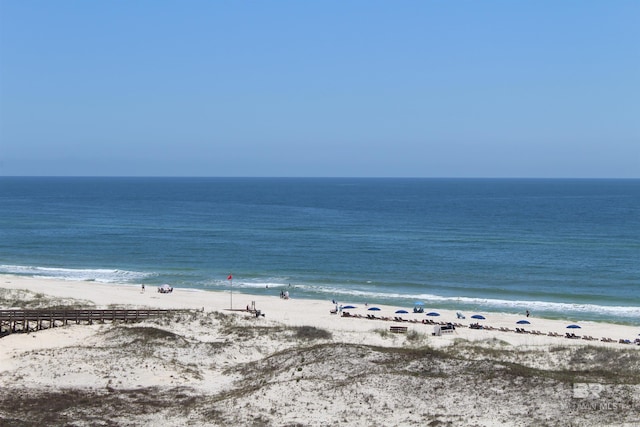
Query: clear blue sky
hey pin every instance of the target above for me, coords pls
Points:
(320, 88)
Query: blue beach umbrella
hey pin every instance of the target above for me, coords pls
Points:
(374, 309)
(433, 313)
(347, 307)
(418, 303)
(573, 327)
(478, 316)
(523, 322)
(402, 312)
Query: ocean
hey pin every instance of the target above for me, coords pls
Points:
(560, 248)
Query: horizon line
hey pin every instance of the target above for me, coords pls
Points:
(321, 177)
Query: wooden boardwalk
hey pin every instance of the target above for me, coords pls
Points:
(12, 321)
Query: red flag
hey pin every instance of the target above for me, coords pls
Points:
(230, 277)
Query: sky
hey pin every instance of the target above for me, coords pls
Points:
(540, 89)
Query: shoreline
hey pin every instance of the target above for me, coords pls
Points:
(585, 310)
(207, 364)
(309, 312)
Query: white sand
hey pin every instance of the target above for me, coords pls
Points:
(82, 357)
(303, 312)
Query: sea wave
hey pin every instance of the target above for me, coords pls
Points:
(539, 306)
(462, 302)
(83, 274)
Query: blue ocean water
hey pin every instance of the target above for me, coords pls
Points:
(559, 248)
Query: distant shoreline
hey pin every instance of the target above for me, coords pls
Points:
(314, 312)
(539, 308)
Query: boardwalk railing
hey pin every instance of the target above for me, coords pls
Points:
(34, 320)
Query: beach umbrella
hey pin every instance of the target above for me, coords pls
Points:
(523, 322)
(478, 316)
(374, 309)
(418, 303)
(402, 312)
(573, 327)
(433, 313)
(347, 307)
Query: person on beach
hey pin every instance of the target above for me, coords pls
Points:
(528, 314)
(143, 288)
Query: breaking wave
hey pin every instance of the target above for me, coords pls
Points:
(88, 274)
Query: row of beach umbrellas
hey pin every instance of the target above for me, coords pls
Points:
(434, 314)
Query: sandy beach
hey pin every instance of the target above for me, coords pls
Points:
(299, 364)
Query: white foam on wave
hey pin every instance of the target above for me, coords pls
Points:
(462, 302)
(96, 275)
(563, 307)
(487, 303)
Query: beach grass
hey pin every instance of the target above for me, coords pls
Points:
(216, 367)
(26, 299)
(353, 373)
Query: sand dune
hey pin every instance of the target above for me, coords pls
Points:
(301, 365)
